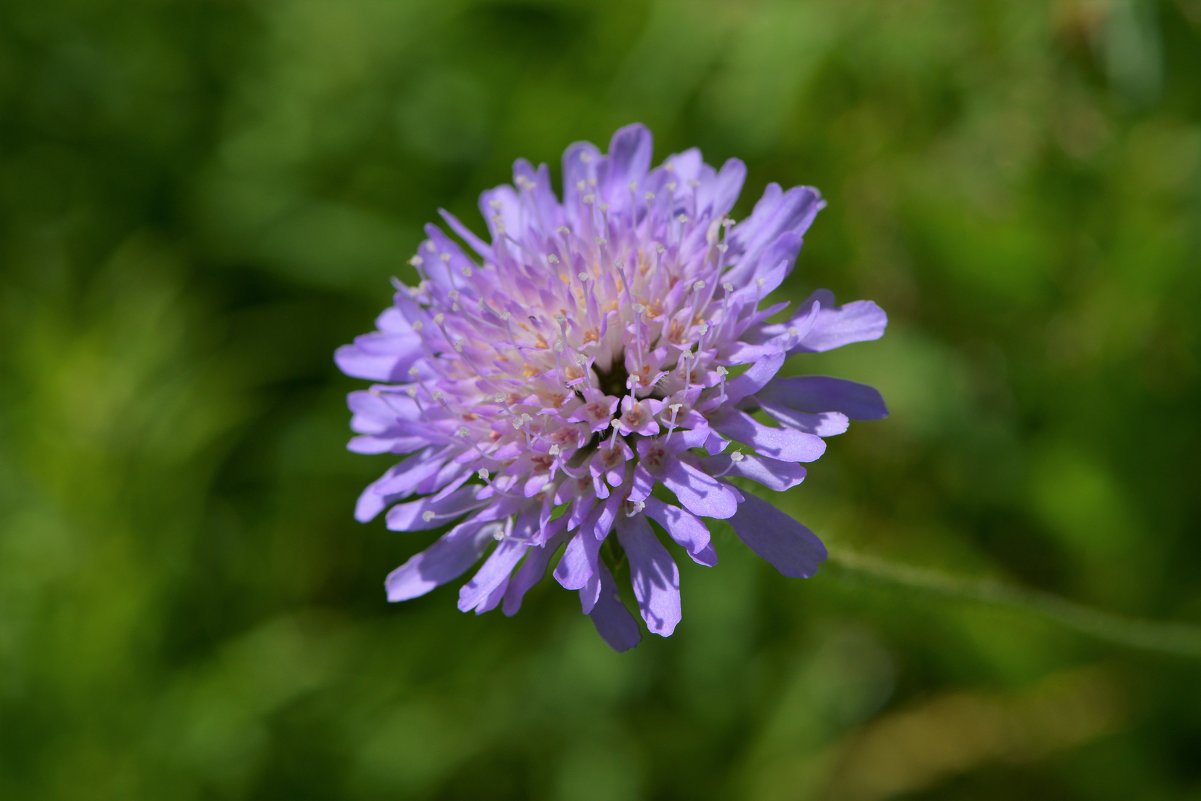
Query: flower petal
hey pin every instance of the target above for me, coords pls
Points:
(530, 573)
(613, 621)
(579, 164)
(432, 511)
(822, 424)
(757, 376)
(700, 493)
(447, 559)
(688, 530)
(380, 356)
(783, 542)
(579, 568)
(495, 571)
(399, 482)
(771, 473)
(776, 213)
(779, 443)
(835, 326)
(654, 574)
(628, 160)
(463, 232)
(815, 393)
(718, 194)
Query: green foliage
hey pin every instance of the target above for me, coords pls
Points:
(200, 201)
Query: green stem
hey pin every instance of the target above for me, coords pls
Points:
(1177, 639)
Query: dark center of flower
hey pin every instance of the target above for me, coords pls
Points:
(613, 380)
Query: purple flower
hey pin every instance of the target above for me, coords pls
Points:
(592, 369)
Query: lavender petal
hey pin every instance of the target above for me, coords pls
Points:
(787, 545)
(654, 574)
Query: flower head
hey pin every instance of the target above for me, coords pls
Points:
(586, 376)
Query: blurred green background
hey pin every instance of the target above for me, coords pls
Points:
(200, 201)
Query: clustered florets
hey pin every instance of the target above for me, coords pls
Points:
(594, 367)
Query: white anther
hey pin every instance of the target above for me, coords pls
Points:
(499, 397)
(583, 276)
(554, 450)
(586, 156)
(416, 261)
(427, 515)
(418, 325)
(633, 186)
(636, 508)
(682, 218)
(589, 199)
(737, 456)
(649, 196)
(728, 287)
(462, 432)
(483, 474)
(553, 259)
(458, 345)
(495, 203)
(722, 371)
(438, 395)
(445, 257)
(467, 271)
(671, 186)
(439, 318)
(698, 285)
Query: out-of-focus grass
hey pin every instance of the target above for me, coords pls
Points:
(199, 202)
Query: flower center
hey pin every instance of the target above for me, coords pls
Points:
(613, 381)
